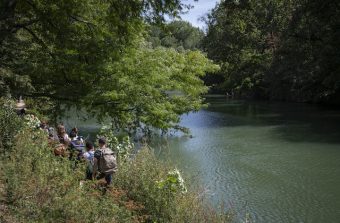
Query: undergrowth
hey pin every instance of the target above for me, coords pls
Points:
(36, 186)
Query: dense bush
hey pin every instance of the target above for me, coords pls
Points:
(149, 181)
(43, 188)
(10, 124)
(36, 186)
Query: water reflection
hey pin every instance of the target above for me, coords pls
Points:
(278, 161)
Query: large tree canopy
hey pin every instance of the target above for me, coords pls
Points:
(242, 36)
(281, 49)
(57, 43)
(152, 87)
(92, 53)
(306, 66)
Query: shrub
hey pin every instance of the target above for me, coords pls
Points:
(43, 188)
(10, 124)
(160, 190)
(39, 187)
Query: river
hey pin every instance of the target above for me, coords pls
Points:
(276, 162)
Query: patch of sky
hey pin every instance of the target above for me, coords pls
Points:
(200, 8)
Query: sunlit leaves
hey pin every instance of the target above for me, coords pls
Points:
(91, 53)
(152, 87)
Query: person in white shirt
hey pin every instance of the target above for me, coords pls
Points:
(89, 156)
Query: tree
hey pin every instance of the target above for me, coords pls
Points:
(306, 67)
(152, 87)
(53, 42)
(177, 34)
(85, 51)
(242, 37)
(282, 49)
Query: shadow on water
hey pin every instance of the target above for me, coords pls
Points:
(293, 122)
(290, 121)
(281, 159)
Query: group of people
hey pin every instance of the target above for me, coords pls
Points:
(100, 163)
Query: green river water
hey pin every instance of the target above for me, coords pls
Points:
(276, 162)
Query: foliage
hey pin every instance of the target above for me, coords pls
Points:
(123, 149)
(306, 66)
(10, 124)
(43, 188)
(285, 50)
(180, 35)
(241, 37)
(92, 54)
(42, 107)
(173, 182)
(151, 88)
(39, 187)
(141, 178)
(32, 121)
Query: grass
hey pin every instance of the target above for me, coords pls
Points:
(36, 186)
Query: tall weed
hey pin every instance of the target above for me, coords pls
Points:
(43, 188)
(10, 124)
(37, 186)
(141, 179)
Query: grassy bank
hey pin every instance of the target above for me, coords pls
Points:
(36, 186)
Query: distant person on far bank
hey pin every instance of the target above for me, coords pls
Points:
(104, 162)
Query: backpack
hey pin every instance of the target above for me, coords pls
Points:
(107, 162)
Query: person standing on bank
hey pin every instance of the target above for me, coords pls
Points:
(104, 162)
(89, 158)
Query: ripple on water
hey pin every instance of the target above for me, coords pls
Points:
(278, 162)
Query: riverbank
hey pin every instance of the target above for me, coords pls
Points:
(40, 187)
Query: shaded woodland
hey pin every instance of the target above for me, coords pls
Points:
(284, 50)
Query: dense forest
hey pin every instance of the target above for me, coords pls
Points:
(282, 50)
